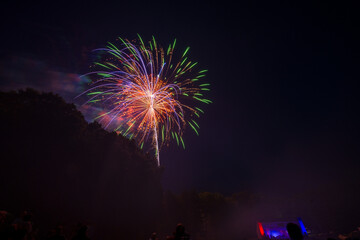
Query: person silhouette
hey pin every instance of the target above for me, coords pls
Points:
(58, 233)
(154, 236)
(81, 233)
(180, 233)
(294, 231)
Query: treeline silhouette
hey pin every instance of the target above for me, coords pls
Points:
(72, 175)
(66, 170)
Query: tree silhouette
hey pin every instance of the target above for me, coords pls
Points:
(67, 170)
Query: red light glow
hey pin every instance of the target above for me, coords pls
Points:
(261, 229)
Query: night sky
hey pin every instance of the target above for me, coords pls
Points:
(284, 82)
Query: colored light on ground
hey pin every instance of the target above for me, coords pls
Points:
(274, 233)
(302, 226)
(261, 229)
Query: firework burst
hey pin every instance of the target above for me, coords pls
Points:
(145, 93)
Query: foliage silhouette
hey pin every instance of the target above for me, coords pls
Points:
(67, 170)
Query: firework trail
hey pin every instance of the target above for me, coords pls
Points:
(145, 93)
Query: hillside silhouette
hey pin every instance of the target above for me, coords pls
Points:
(65, 170)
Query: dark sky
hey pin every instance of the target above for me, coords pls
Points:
(284, 79)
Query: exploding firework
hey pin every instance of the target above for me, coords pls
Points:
(145, 93)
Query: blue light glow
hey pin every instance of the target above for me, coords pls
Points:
(302, 226)
(274, 233)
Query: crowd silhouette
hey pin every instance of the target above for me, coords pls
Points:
(22, 228)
